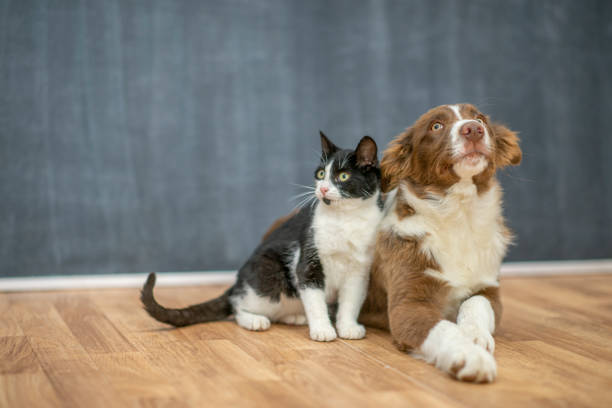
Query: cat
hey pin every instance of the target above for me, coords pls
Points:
(319, 256)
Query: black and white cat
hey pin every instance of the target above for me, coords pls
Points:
(319, 256)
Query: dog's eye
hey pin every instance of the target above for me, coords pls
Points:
(479, 120)
(437, 126)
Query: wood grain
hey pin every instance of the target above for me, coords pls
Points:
(99, 348)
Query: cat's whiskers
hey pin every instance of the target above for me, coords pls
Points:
(304, 200)
(324, 157)
(313, 202)
(318, 154)
(303, 186)
(344, 160)
(303, 196)
(307, 200)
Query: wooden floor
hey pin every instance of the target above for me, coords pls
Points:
(99, 348)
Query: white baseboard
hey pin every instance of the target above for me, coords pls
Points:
(134, 280)
(548, 268)
(127, 280)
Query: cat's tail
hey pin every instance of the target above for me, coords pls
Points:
(215, 309)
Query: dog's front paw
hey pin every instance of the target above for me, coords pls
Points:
(322, 333)
(468, 362)
(479, 336)
(352, 331)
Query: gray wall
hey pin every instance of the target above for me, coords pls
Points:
(165, 135)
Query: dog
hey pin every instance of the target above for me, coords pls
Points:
(435, 276)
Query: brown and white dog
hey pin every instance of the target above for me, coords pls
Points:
(435, 279)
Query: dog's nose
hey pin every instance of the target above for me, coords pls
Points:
(324, 190)
(472, 131)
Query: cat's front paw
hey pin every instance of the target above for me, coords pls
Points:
(252, 321)
(351, 331)
(322, 333)
(479, 336)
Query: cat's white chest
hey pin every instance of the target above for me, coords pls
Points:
(345, 240)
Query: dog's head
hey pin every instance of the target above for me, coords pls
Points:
(447, 144)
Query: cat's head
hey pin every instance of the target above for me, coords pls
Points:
(347, 174)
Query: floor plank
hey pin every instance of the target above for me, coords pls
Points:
(90, 326)
(28, 389)
(99, 348)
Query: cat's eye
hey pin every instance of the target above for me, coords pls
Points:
(480, 120)
(437, 126)
(344, 176)
(320, 174)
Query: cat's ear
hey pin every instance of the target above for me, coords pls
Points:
(366, 152)
(327, 147)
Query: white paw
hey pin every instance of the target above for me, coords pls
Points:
(479, 336)
(468, 362)
(297, 320)
(351, 330)
(253, 322)
(322, 333)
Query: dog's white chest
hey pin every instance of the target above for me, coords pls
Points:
(464, 234)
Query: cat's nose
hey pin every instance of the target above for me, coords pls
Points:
(324, 190)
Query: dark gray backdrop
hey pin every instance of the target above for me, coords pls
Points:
(164, 135)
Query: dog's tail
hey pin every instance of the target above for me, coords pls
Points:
(215, 309)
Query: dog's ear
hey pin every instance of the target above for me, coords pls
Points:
(508, 152)
(395, 164)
